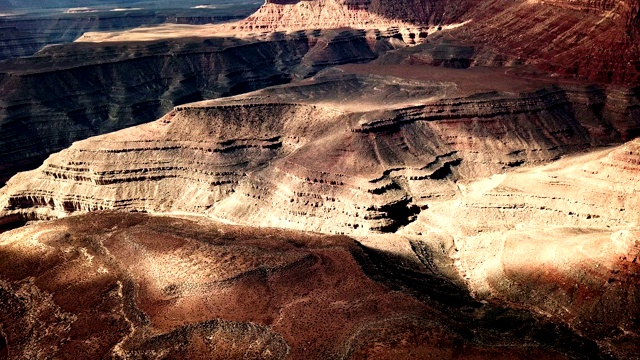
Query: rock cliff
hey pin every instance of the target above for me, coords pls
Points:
(494, 201)
(591, 39)
(279, 15)
(72, 92)
(597, 40)
(594, 40)
(338, 153)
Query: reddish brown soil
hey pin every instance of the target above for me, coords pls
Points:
(137, 286)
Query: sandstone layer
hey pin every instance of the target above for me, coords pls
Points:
(68, 93)
(338, 153)
(114, 285)
(560, 239)
(506, 184)
(477, 178)
(597, 40)
(157, 69)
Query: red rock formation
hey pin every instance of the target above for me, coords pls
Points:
(570, 38)
(319, 14)
(598, 40)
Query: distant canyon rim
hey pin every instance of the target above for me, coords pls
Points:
(328, 179)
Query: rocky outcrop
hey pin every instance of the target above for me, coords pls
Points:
(594, 40)
(558, 242)
(319, 155)
(597, 40)
(597, 190)
(72, 92)
(561, 240)
(506, 189)
(325, 14)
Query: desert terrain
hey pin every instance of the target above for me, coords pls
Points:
(328, 179)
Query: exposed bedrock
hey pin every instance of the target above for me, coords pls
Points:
(597, 40)
(594, 190)
(327, 14)
(306, 158)
(590, 39)
(71, 92)
(561, 239)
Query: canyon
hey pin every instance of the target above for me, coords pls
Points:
(328, 179)
(123, 85)
(179, 63)
(340, 152)
(27, 27)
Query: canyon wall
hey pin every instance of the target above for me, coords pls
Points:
(598, 40)
(595, 41)
(497, 193)
(491, 190)
(71, 92)
(318, 156)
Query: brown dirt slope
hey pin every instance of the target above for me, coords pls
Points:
(121, 285)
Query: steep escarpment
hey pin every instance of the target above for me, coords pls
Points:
(594, 40)
(591, 39)
(597, 40)
(319, 155)
(72, 92)
(495, 202)
(325, 14)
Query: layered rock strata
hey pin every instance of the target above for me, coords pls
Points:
(50, 101)
(278, 15)
(560, 239)
(318, 155)
(597, 40)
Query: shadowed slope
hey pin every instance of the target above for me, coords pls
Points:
(71, 92)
